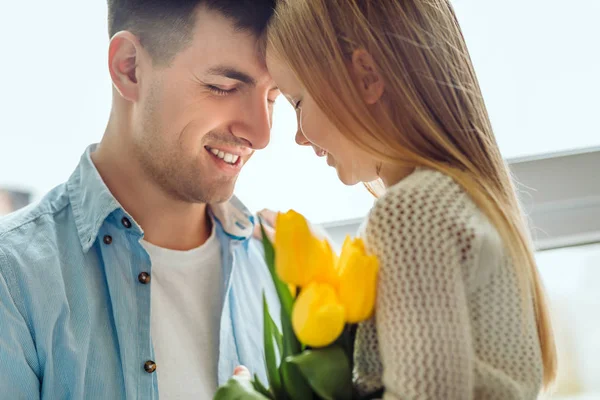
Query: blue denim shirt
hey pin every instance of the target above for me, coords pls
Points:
(75, 318)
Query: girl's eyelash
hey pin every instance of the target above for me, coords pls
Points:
(219, 91)
(297, 104)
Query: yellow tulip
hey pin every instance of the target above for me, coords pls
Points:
(300, 257)
(325, 261)
(358, 280)
(294, 246)
(318, 316)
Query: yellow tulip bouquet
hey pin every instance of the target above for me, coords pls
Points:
(322, 297)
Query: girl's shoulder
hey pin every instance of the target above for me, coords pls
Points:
(423, 193)
(428, 211)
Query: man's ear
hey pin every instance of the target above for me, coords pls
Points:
(124, 54)
(367, 78)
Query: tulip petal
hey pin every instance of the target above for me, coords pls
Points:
(295, 248)
(358, 280)
(318, 317)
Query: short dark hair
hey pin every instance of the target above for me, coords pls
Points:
(164, 27)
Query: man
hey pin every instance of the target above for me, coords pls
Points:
(139, 275)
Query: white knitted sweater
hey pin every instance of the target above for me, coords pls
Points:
(449, 322)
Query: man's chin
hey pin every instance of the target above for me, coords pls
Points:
(220, 199)
(219, 195)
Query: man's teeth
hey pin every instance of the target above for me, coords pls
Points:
(227, 157)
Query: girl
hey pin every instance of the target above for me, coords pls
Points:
(386, 90)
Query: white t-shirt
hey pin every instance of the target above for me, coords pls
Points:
(185, 318)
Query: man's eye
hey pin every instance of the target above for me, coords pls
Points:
(220, 92)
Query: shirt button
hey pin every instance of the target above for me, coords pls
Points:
(126, 222)
(144, 278)
(150, 366)
(107, 239)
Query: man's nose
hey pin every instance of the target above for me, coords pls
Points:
(254, 123)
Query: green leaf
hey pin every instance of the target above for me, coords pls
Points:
(238, 388)
(327, 371)
(270, 355)
(294, 383)
(259, 387)
(291, 345)
(277, 336)
(283, 291)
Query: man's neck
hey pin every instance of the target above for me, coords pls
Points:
(166, 221)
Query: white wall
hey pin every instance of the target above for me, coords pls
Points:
(571, 279)
(55, 90)
(538, 63)
(536, 59)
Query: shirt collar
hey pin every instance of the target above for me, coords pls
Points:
(91, 199)
(234, 218)
(92, 203)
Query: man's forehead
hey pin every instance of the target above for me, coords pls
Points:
(214, 30)
(216, 41)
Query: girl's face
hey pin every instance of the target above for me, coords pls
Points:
(352, 163)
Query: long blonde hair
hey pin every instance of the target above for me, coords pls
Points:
(434, 113)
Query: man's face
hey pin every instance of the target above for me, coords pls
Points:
(202, 116)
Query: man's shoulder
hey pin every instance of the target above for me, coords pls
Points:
(36, 215)
(26, 233)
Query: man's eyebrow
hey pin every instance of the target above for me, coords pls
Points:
(232, 73)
